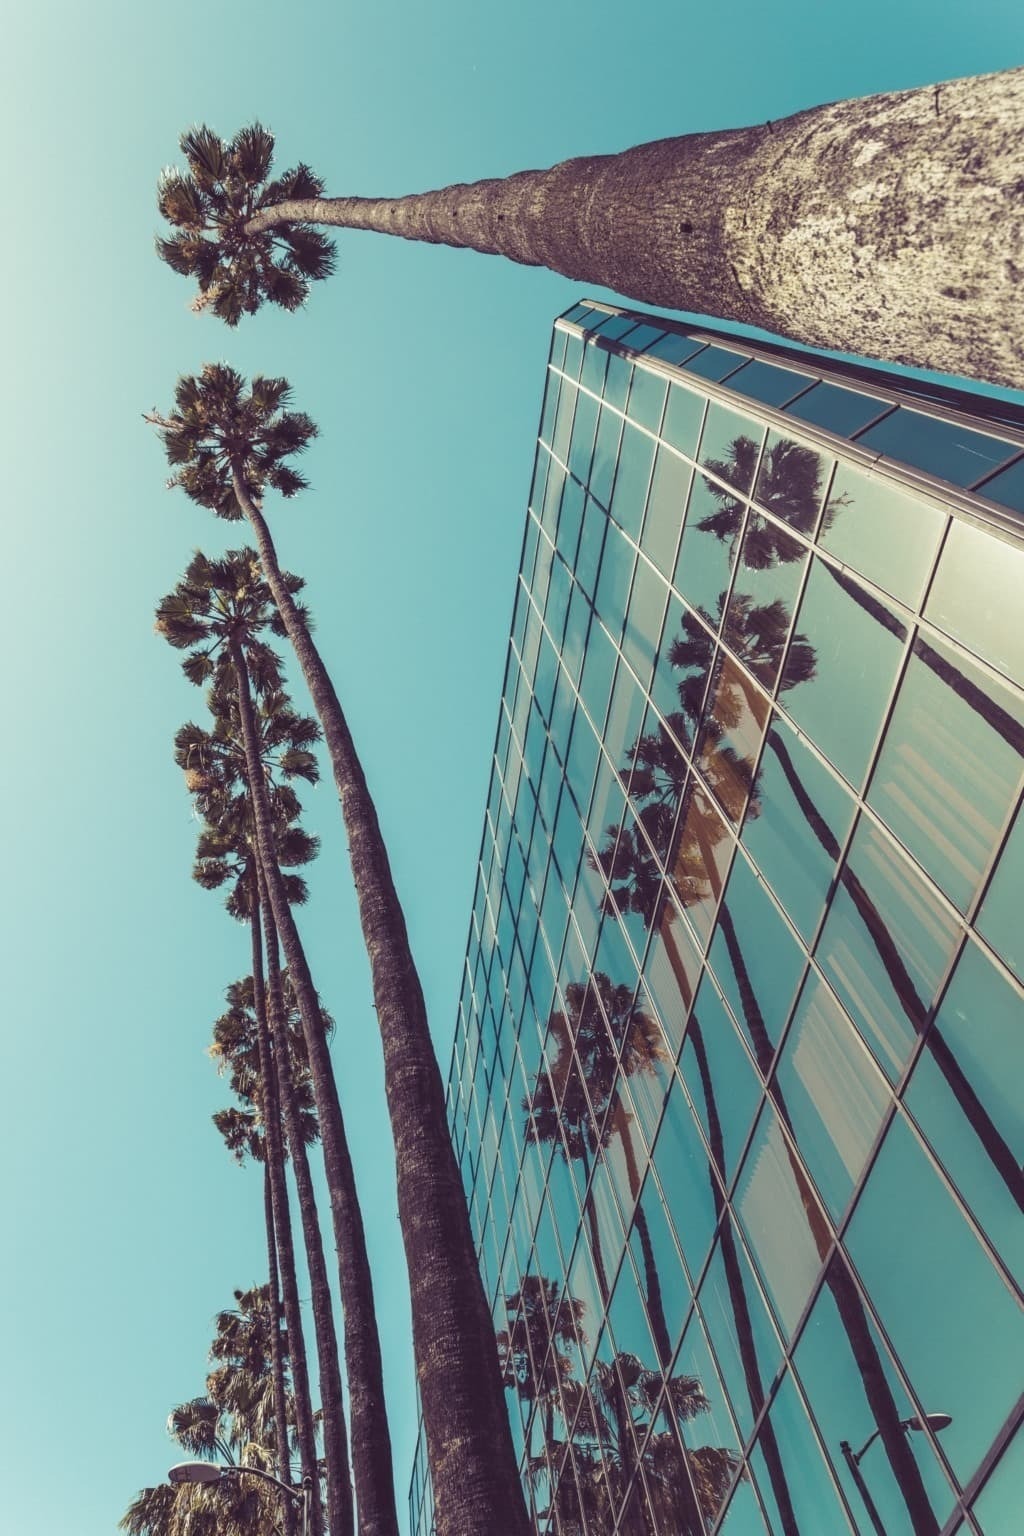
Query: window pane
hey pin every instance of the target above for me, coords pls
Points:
(792, 480)
(787, 1232)
(999, 920)
(812, 1497)
(665, 507)
(765, 381)
(885, 946)
(756, 961)
(729, 446)
(739, 1326)
(965, 1095)
(831, 1093)
(944, 448)
(803, 815)
(949, 767)
(839, 410)
(684, 1173)
(647, 398)
(720, 1079)
(850, 646)
(883, 532)
(735, 716)
(768, 576)
(713, 521)
(636, 455)
(975, 596)
(853, 1386)
(997, 1508)
(951, 1320)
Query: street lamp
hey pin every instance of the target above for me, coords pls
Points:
(934, 1421)
(210, 1472)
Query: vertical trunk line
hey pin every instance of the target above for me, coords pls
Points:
(335, 1436)
(469, 1442)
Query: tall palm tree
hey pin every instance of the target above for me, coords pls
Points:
(232, 1423)
(216, 613)
(863, 225)
(227, 445)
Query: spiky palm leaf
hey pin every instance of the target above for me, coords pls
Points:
(208, 205)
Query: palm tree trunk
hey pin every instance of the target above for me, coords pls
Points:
(371, 1440)
(888, 226)
(277, 1356)
(283, 1235)
(469, 1442)
(335, 1441)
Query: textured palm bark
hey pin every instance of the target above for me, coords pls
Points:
(371, 1438)
(891, 226)
(469, 1443)
(283, 1465)
(304, 1426)
(335, 1435)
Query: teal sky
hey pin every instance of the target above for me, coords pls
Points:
(125, 1224)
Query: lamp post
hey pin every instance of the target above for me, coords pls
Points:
(935, 1421)
(210, 1472)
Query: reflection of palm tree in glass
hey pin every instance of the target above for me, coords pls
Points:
(757, 636)
(584, 1053)
(625, 1400)
(790, 484)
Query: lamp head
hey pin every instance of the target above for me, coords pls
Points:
(934, 1421)
(194, 1472)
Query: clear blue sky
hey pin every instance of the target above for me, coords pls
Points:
(125, 1226)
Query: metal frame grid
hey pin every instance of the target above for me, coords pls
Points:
(523, 959)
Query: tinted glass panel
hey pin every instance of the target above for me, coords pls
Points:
(950, 767)
(944, 448)
(811, 1499)
(847, 646)
(999, 920)
(965, 1094)
(735, 716)
(930, 1280)
(791, 481)
(1007, 487)
(997, 1509)
(739, 1327)
(665, 506)
(975, 596)
(768, 576)
(888, 535)
(729, 446)
(803, 816)
(787, 1232)
(713, 520)
(683, 416)
(756, 961)
(885, 946)
(636, 455)
(850, 1379)
(720, 1080)
(714, 363)
(647, 398)
(830, 1092)
(764, 381)
(840, 410)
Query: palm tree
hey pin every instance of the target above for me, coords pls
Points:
(233, 1422)
(626, 1399)
(227, 446)
(239, 1045)
(216, 613)
(789, 225)
(581, 1120)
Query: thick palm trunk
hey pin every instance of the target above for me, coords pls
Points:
(283, 1236)
(889, 226)
(371, 1440)
(469, 1443)
(335, 1441)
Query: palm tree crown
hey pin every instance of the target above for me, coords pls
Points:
(219, 429)
(209, 204)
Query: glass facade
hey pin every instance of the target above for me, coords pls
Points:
(736, 1084)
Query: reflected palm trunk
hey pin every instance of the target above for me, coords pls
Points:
(652, 1280)
(851, 1308)
(999, 1151)
(738, 1296)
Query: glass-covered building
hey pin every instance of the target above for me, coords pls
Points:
(739, 1064)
